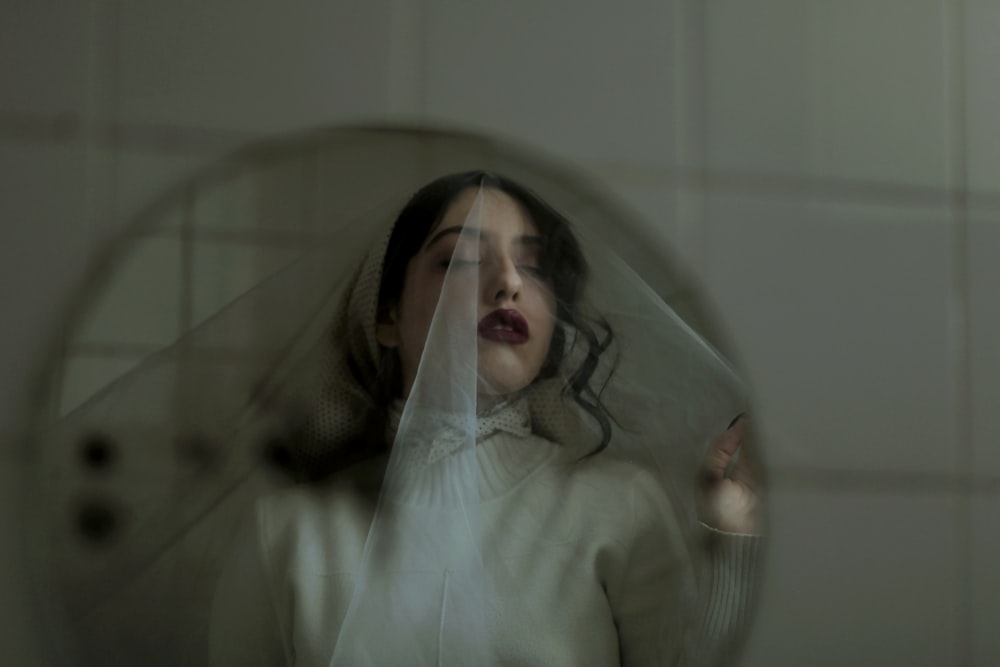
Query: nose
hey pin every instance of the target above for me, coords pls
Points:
(502, 280)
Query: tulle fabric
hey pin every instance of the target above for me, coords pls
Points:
(421, 571)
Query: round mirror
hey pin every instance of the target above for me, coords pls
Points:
(243, 452)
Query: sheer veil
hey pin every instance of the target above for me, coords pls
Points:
(148, 487)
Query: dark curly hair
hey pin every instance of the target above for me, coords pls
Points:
(562, 265)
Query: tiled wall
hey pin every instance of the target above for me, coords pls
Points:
(830, 169)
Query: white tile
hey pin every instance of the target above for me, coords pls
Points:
(317, 183)
(42, 203)
(857, 579)
(223, 272)
(145, 179)
(404, 70)
(262, 194)
(841, 315)
(666, 223)
(139, 301)
(43, 57)
(20, 643)
(757, 85)
(137, 190)
(879, 90)
(849, 90)
(253, 66)
(982, 52)
(985, 581)
(43, 252)
(984, 332)
(371, 175)
(647, 207)
(85, 375)
(587, 81)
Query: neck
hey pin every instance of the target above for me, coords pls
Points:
(488, 402)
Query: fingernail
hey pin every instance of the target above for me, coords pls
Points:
(736, 419)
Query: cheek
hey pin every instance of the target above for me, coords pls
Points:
(415, 316)
(548, 307)
(420, 304)
(545, 320)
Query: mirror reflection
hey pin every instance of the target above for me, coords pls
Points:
(388, 397)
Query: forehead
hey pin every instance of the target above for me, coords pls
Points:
(499, 214)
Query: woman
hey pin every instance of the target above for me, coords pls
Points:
(475, 506)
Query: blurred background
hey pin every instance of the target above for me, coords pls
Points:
(826, 168)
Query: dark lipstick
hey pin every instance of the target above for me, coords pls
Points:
(505, 326)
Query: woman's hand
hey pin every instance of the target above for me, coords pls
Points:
(729, 484)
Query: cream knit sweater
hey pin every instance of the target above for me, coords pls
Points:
(587, 560)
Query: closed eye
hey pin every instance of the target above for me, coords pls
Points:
(458, 262)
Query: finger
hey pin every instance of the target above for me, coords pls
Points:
(732, 438)
(742, 471)
(747, 467)
(722, 449)
(714, 466)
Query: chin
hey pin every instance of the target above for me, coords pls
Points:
(503, 383)
(493, 389)
(504, 370)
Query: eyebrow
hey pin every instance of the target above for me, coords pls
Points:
(525, 239)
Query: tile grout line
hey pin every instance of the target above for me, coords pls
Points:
(80, 129)
(166, 139)
(883, 481)
(957, 146)
(185, 315)
(690, 140)
(408, 59)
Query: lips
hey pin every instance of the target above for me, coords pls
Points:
(505, 326)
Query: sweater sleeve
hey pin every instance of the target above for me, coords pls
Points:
(726, 595)
(677, 601)
(245, 625)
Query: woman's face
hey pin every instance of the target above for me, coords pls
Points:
(499, 272)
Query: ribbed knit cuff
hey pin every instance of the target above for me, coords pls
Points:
(730, 587)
